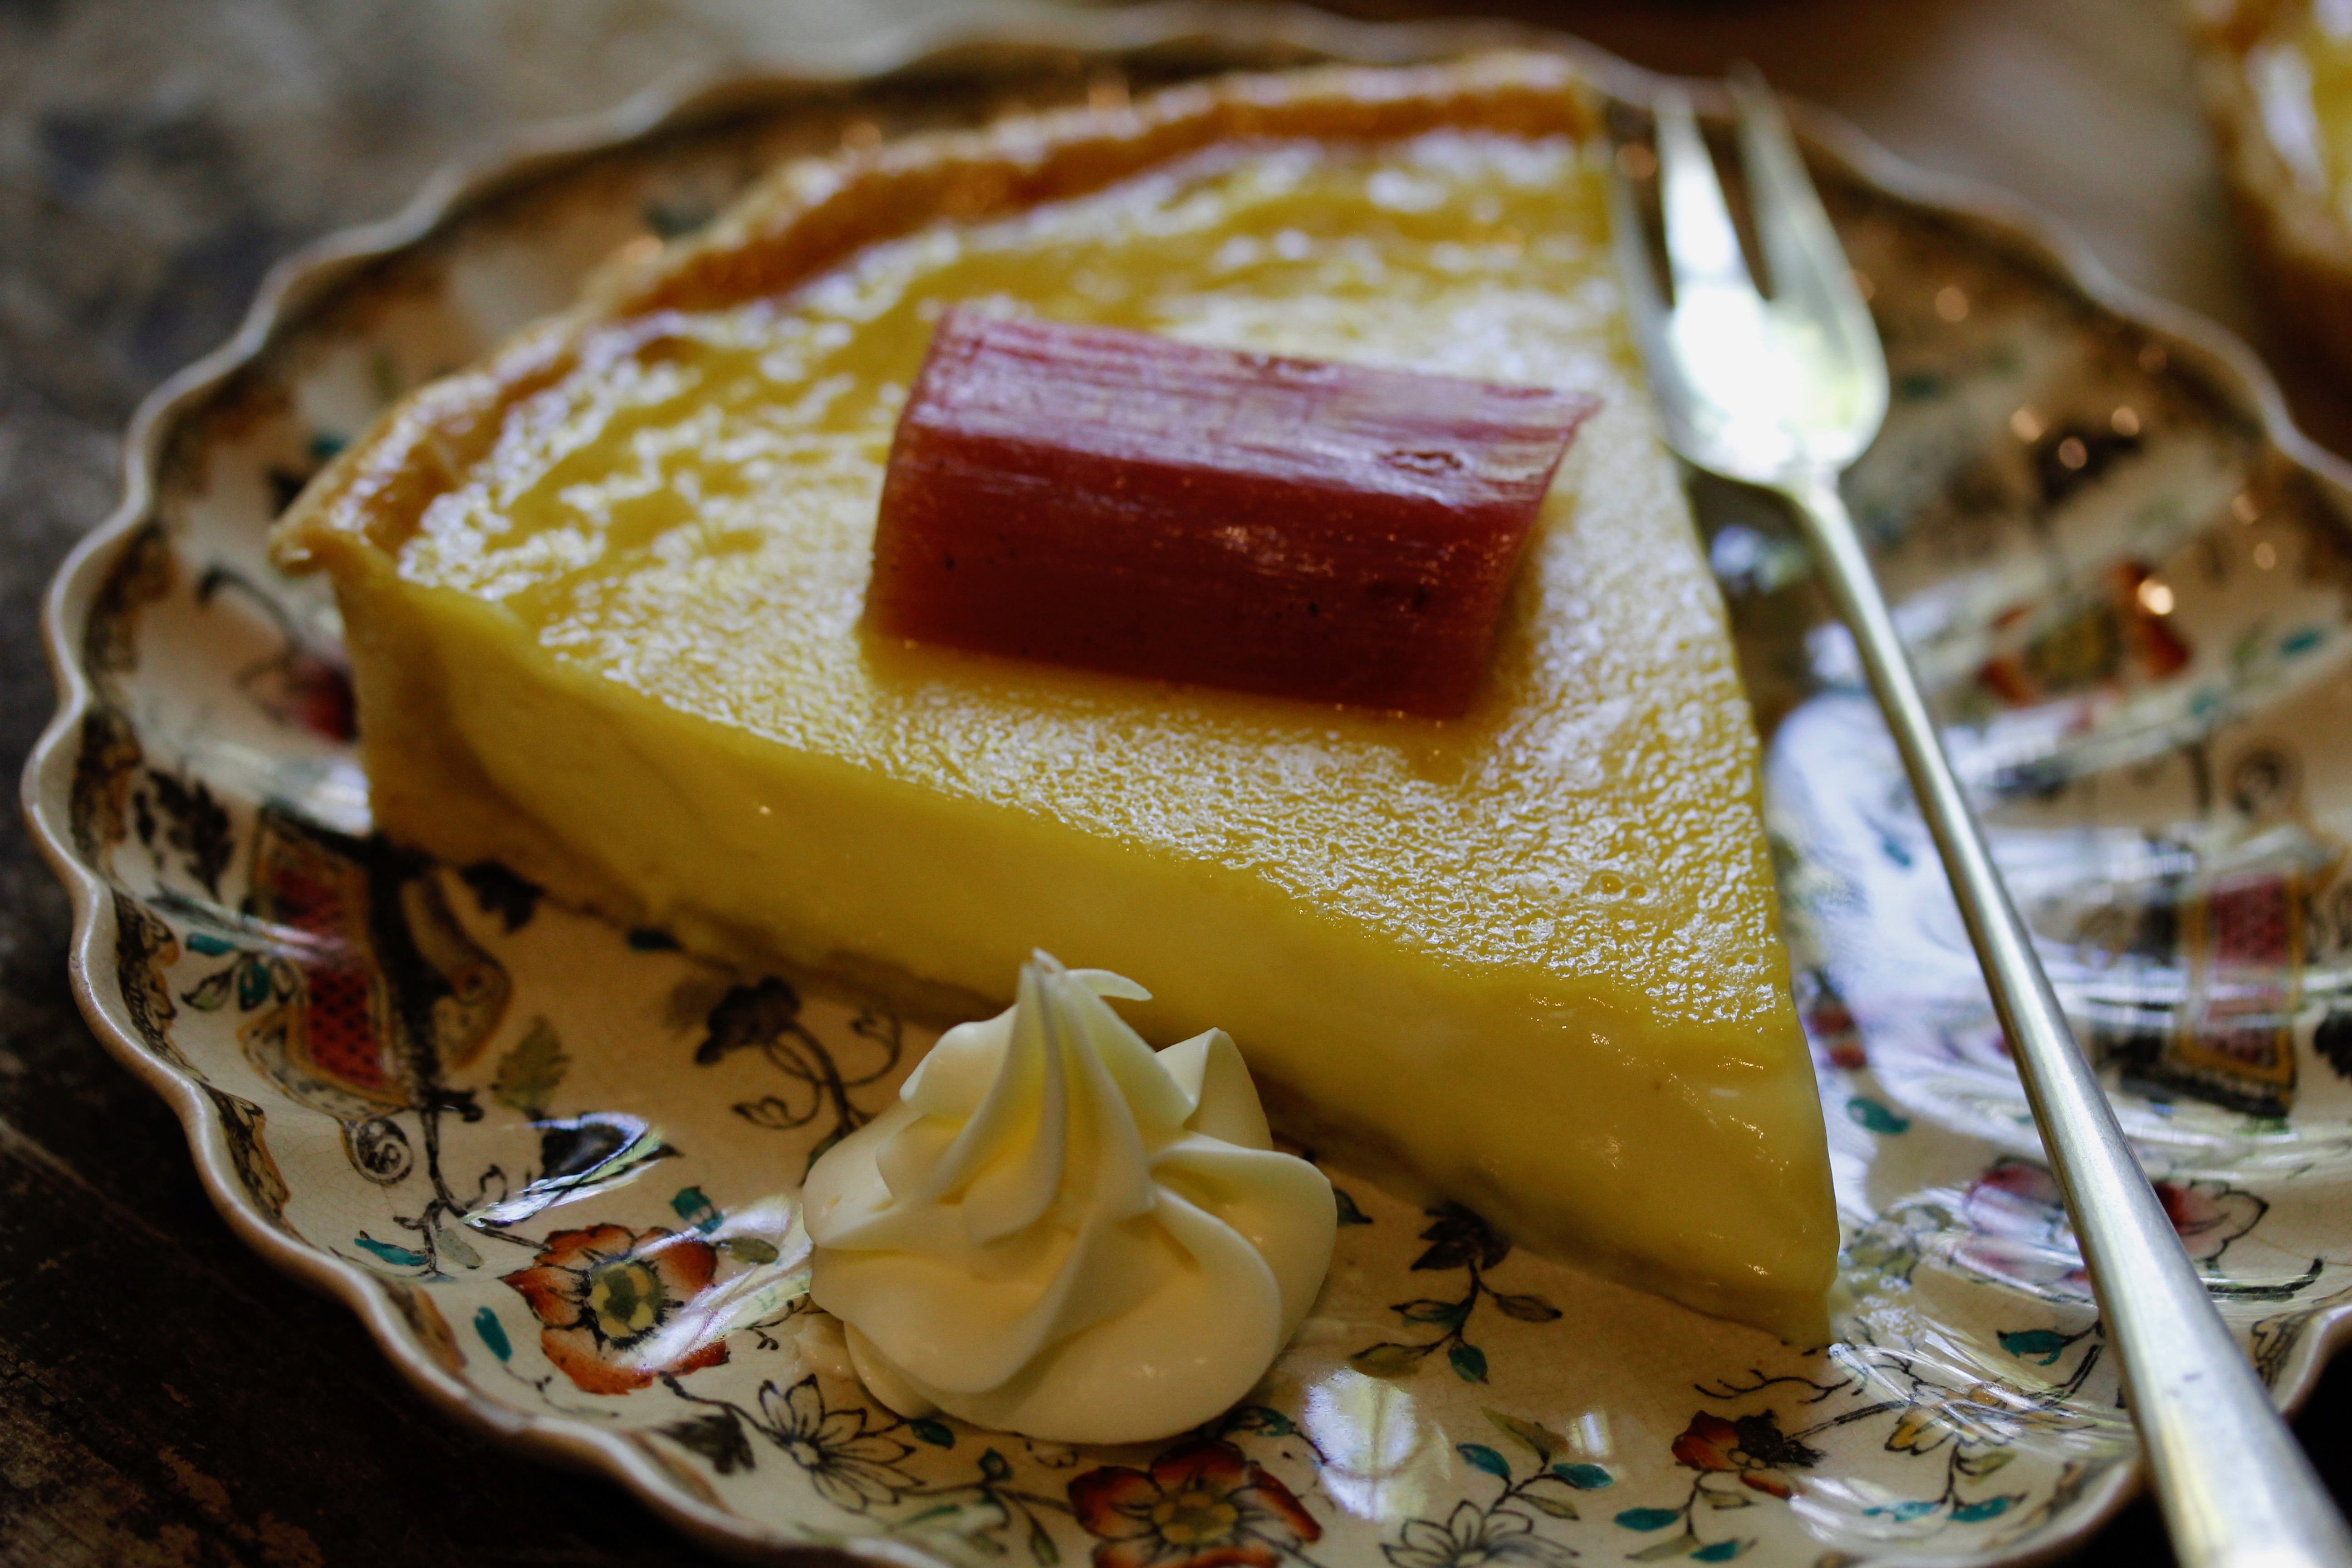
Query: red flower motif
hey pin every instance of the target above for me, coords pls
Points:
(2208, 1216)
(2019, 1231)
(1829, 1025)
(609, 1301)
(1753, 1448)
(1706, 1444)
(1202, 1505)
(302, 688)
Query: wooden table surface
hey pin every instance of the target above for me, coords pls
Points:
(164, 1397)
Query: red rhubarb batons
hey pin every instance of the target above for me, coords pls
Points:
(1124, 503)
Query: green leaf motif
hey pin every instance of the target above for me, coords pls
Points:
(1349, 1213)
(1389, 1360)
(1720, 1551)
(1872, 1117)
(1649, 1518)
(1260, 1418)
(1557, 1507)
(1469, 1363)
(2267, 1289)
(750, 1248)
(252, 984)
(493, 1334)
(212, 991)
(995, 1466)
(1978, 1512)
(1527, 1308)
(208, 945)
(1482, 1458)
(456, 1247)
(1041, 1543)
(693, 1206)
(1984, 1464)
(398, 1256)
(1903, 1512)
(1444, 1313)
(528, 1075)
(1534, 1435)
(938, 1433)
(1679, 1546)
(2043, 1346)
(1584, 1478)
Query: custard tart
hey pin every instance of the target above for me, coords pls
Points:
(2276, 77)
(604, 598)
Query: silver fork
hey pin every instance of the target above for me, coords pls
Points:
(1785, 393)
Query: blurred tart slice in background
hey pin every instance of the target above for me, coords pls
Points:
(2276, 79)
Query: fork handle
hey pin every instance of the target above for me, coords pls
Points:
(2235, 1485)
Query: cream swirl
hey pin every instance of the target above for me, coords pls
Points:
(1059, 1232)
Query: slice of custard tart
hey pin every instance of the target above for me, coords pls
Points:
(605, 601)
(2276, 79)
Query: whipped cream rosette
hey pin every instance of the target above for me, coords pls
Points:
(1060, 1232)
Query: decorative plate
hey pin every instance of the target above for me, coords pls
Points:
(549, 1162)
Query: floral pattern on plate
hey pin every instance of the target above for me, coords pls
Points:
(553, 1162)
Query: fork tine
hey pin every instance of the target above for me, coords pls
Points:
(1632, 244)
(1636, 270)
(1646, 305)
(1702, 245)
(1811, 279)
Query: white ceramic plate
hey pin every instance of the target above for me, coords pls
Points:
(529, 1148)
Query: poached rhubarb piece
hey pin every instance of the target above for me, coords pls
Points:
(1124, 503)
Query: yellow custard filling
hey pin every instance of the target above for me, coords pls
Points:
(1528, 959)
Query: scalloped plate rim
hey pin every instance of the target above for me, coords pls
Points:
(686, 99)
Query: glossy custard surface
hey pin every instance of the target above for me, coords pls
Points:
(1528, 958)
(694, 520)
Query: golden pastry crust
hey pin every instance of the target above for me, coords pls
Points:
(2299, 246)
(811, 215)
